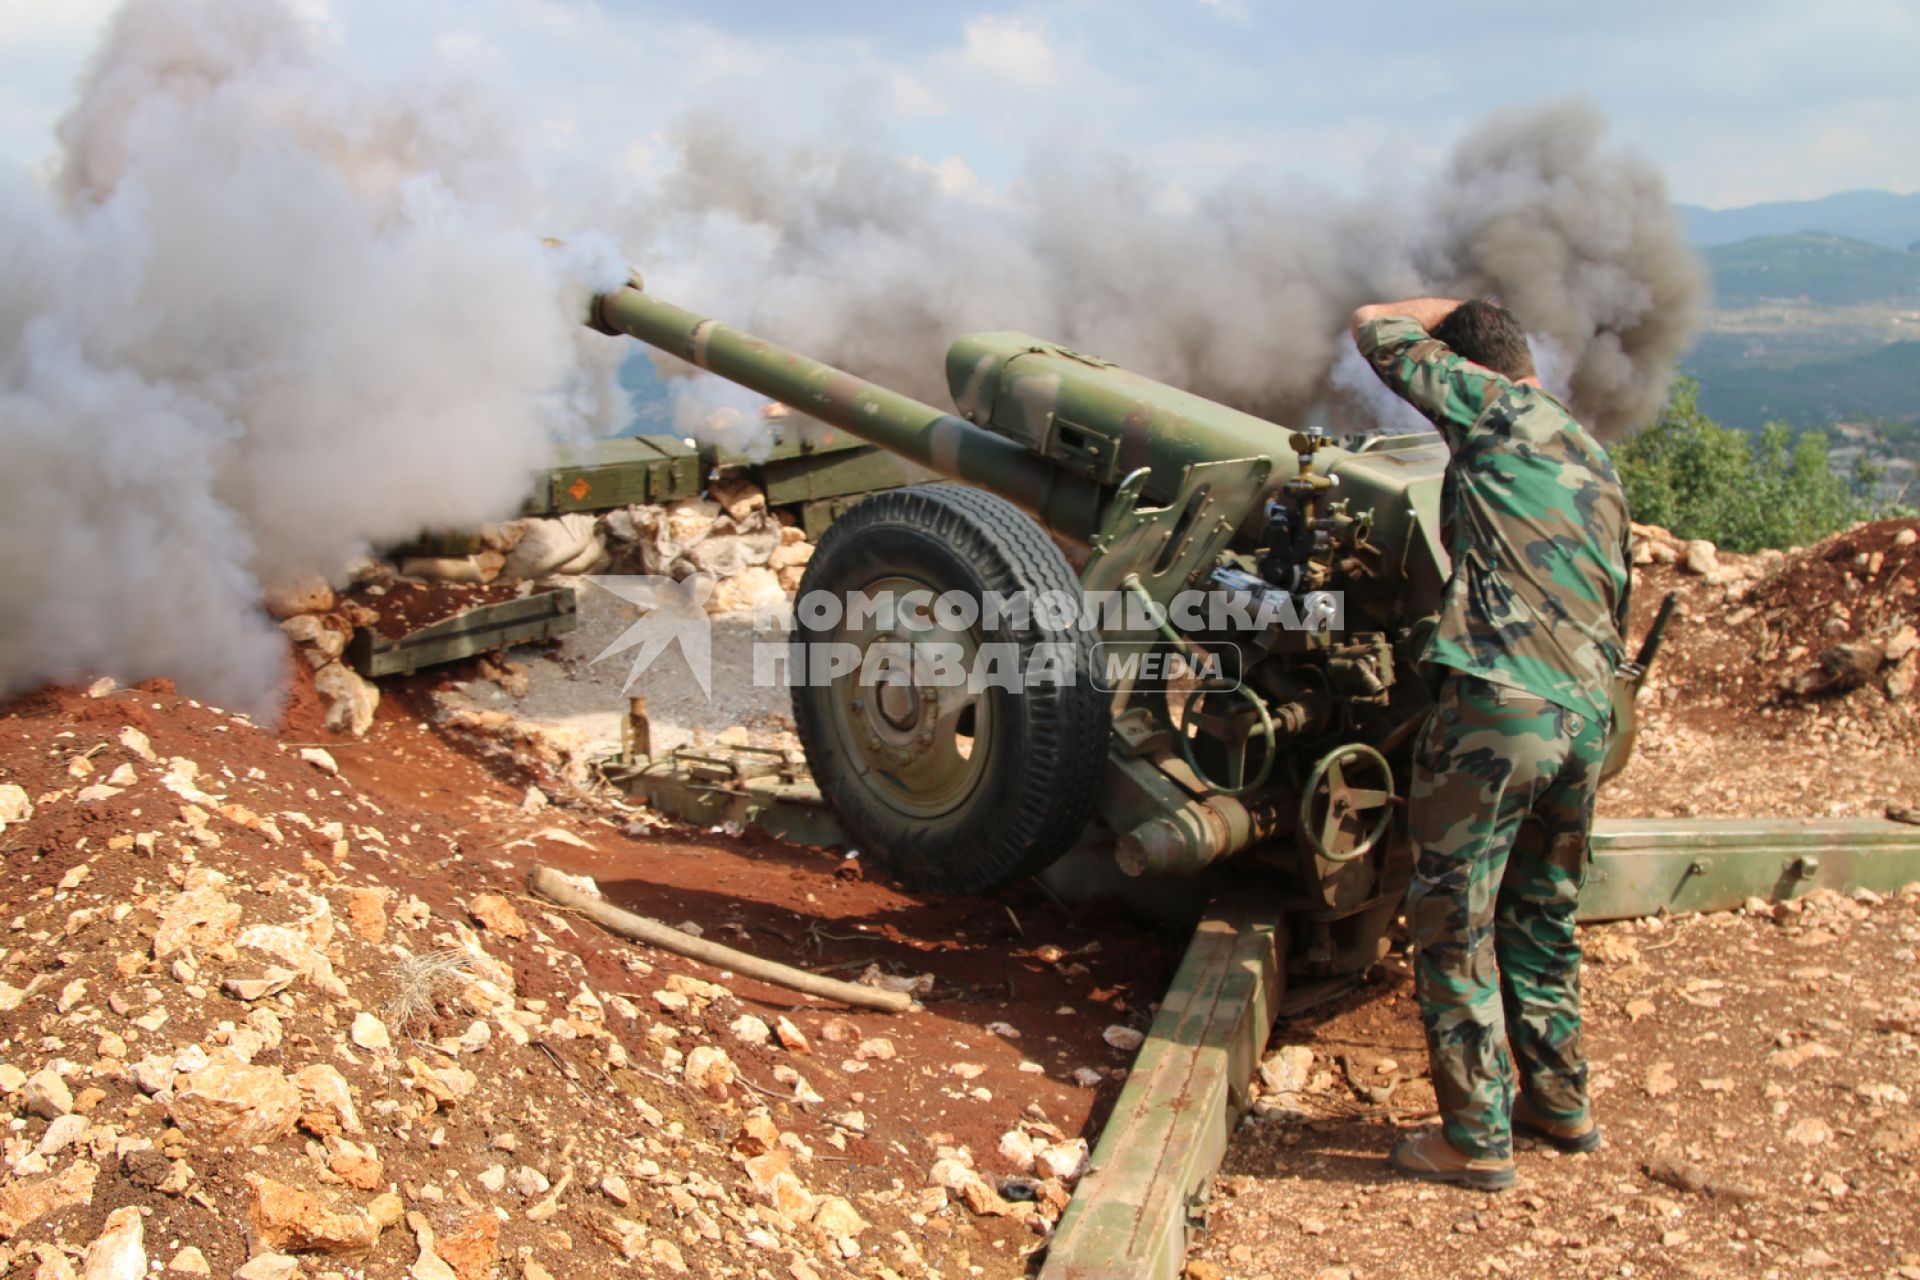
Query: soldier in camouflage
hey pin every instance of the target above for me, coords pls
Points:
(1505, 770)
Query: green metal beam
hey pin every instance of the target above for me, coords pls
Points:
(751, 786)
(1129, 1217)
(526, 620)
(602, 474)
(1641, 866)
(1646, 866)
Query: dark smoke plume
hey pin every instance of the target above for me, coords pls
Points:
(1241, 294)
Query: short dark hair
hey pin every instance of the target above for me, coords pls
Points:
(1487, 334)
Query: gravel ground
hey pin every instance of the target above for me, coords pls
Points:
(1754, 1072)
(1754, 1076)
(1715, 707)
(574, 691)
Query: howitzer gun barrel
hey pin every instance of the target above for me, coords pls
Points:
(950, 445)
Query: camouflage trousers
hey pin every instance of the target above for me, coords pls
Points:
(1500, 810)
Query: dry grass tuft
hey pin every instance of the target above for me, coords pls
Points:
(418, 981)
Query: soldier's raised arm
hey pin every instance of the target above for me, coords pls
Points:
(1425, 312)
(1397, 341)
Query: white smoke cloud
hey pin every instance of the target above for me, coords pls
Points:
(269, 316)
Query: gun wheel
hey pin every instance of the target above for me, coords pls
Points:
(956, 784)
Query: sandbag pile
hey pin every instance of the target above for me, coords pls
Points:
(730, 537)
(320, 623)
(519, 551)
(752, 558)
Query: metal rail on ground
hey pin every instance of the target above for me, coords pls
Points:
(1170, 1126)
(1644, 866)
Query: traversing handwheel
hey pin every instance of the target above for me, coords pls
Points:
(1346, 802)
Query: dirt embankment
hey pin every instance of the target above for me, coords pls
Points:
(1789, 684)
(273, 1009)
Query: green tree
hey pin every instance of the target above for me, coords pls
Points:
(1687, 473)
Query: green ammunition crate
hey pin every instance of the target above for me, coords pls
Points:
(604, 474)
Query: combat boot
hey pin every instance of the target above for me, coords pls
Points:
(1563, 1135)
(1428, 1155)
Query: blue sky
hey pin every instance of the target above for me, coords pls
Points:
(1736, 102)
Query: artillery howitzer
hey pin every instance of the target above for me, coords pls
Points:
(1283, 793)
(1283, 735)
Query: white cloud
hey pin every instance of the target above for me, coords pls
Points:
(1010, 49)
(956, 177)
(913, 96)
(1816, 151)
(43, 44)
(1770, 99)
(1235, 11)
(52, 23)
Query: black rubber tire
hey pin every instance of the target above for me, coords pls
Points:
(1049, 742)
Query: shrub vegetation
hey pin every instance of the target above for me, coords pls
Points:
(1746, 492)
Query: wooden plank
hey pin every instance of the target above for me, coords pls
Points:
(1130, 1216)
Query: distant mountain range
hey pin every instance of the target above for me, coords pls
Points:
(1814, 267)
(1817, 311)
(1880, 217)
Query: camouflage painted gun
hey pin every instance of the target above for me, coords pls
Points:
(1244, 690)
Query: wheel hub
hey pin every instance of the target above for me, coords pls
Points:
(913, 742)
(899, 705)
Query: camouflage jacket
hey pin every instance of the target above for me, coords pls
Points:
(1534, 519)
